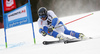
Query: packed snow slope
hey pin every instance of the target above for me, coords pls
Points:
(20, 38)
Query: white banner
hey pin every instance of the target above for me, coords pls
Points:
(20, 13)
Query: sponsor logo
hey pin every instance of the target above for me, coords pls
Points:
(18, 22)
(17, 14)
(23, 11)
(9, 3)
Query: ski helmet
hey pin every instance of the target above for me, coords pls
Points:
(42, 12)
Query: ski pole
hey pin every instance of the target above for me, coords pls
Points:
(74, 20)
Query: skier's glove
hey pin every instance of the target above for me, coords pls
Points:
(43, 33)
(50, 29)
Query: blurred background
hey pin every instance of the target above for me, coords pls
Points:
(60, 7)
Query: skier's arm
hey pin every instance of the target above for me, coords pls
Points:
(40, 25)
(41, 29)
(42, 32)
(55, 21)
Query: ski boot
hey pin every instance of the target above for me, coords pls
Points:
(82, 36)
(62, 38)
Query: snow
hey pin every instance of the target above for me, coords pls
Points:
(20, 38)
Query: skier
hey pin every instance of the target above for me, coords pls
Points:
(48, 21)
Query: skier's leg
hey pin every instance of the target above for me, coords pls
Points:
(61, 37)
(54, 34)
(64, 30)
(74, 34)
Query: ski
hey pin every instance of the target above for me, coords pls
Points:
(71, 41)
(51, 42)
(65, 42)
(76, 40)
(57, 41)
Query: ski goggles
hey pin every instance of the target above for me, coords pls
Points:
(43, 16)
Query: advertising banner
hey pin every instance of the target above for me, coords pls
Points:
(17, 17)
(9, 5)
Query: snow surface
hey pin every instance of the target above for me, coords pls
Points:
(20, 38)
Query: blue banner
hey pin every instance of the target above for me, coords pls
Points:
(18, 17)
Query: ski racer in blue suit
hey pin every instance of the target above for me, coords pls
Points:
(48, 21)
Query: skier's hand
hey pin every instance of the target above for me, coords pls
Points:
(43, 33)
(50, 29)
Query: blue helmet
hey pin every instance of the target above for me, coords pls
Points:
(42, 12)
